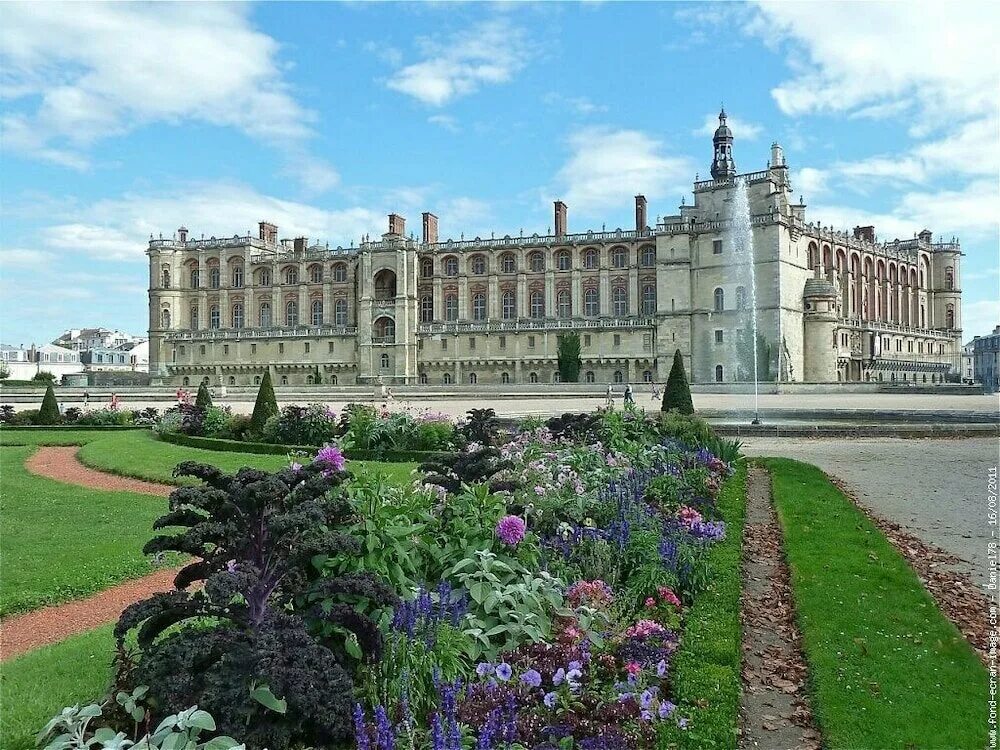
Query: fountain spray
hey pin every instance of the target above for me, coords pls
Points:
(742, 233)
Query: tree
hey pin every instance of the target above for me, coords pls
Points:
(44, 377)
(49, 413)
(266, 406)
(204, 398)
(568, 353)
(677, 393)
(318, 376)
(4, 371)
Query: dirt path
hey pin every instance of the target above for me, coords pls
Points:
(774, 710)
(22, 633)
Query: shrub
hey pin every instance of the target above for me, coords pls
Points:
(677, 393)
(25, 417)
(480, 426)
(301, 425)
(432, 435)
(568, 357)
(265, 407)
(204, 399)
(49, 413)
(238, 426)
(105, 418)
(171, 421)
(72, 415)
(44, 377)
(215, 421)
(7, 414)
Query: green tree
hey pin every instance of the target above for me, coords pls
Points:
(204, 398)
(677, 393)
(4, 371)
(318, 376)
(266, 406)
(44, 377)
(49, 413)
(568, 353)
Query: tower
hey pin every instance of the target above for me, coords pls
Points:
(820, 325)
(723, 167)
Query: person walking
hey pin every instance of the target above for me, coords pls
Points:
(86, 399)
(628, 400)
(114, 402)
(609, 398)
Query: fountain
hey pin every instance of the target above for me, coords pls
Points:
(742, 240)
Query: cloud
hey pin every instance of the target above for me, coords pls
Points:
(607, 167)
(22, 257)
(447, 122)
(742, 130)
(489, 53)
(580, 105)
(315, 175)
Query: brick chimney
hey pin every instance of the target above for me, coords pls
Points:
(300, 244)
(430, 228)
(640, 213)
(268, 232)
(397, 224)
(865, 233)
(182, 234)
(560, 213)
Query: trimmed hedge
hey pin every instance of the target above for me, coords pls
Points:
(706, 667)
(273, 449)
(73, 427)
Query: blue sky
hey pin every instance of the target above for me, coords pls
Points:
(121, 120)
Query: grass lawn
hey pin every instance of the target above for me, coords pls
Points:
(887, 669)
(36, 686)
(62, 542)
(49, 437)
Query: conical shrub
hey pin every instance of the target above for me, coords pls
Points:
(677, 394)
(49, 413)
(204, 398)
(266, 405)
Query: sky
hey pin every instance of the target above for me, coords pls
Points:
(123, 120)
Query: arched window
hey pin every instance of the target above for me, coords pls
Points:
(508, 307)
(340, 312)
(472, 378)
(256, 380)
(619, 257)
(165, 278)
(291, 313)
(316, 274)
(537, 301)
(194, 317)
(316, 312)
(422, 378)
(556, 377)
(479, 306)
(451, 306)
(949, 278)
(195, 278)
(741, 298)
(237, 315)
(264, 279)
(232, 380)
(564, 305)
(384, 361)
(451, 266)
(340, 272)
(478, 265)
(720, 299)
(564, 260)
(165, 319)
(591, 302)
(589, 377)
(426, 308)
(214, 278)
(214, 320)
(649, 299)
(236, 276)
(186, 381)
(536, 262)
(647, 376)
(949, 316)
(618, 377)
(619, 301)
(385, 284)
(264, 317)
(813, 252)
(923, 321)
(718, 373)
(426, 268)
(532, 377)
(446, 378)
(284, 380)
(291, 276)
(504, 378)
(648, 258)
(385, 331)
(591, 258)
(508, 263)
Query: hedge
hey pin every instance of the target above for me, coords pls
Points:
(74, 427)
(274, 449)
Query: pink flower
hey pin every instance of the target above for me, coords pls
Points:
(668, 596)
(650, 602)
(331, 457)
(511, 529)
(634, 668)
(644, 628)
(688, 516)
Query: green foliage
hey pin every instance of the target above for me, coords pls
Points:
(568, 357)
(4, 371)
(49, 413)
(215, 421)
(480, 426)
(677, 392)
(42, 376)
(204, 399)
(265, 407)
(314, 424)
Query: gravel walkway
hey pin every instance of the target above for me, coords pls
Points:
(41, 627)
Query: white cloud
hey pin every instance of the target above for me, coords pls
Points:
(742, 130)
(606, 168)
(580, 105)
(979, 318)
(447, 122)
(22, 257)
(980, 275)
(489, 53)
(315, 175)
(810, 181)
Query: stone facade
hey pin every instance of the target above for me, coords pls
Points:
(830, 305)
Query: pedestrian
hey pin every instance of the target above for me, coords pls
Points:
(389, 394)
(609, 398)
(628, 400)
(114, 402)
(180, 395)
(654, 392)
(86, 399)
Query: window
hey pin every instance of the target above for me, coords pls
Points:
(949, 278)
(719, 336)
(451, 266)
(256, 380)
(316, 312)
(618, 377)
(591, 258)
(647, 376)
(385, 331)
(504, 378)
(426, 268)
(619, 257)
(329, 347)
(253, 348)
(532, 377)
(213, 277)
(586, 339)
(306, 347)
(213, 317)
(201, 349)
(720, 300)
(340, 272)
(451, 307)
(508, 263)
(340, 312)
(384, 361)
(165, 318)
(426, 308)
(508, 309)
(502, 342)
(478, 265)
(741, 298)
(446, 378)
(236, 276)
(472, 378)
(591, 302)
(291, 313)
(536, 262)
(444, 343)
(564, 260)
(649, 299)
(195, 278)
(564, 306)
(265, 315)
(648, 258)
(265, 277)
(619, 301)
(716, 247)
(194, 317)
(238, 315)
(472, 342)
(589, 377)
(284, 380)
(165, 278)
(949, 316)
(618, 339)
(531, 342)
(186, 381)
(479, 306)
(422, 378)
(292, 276)
(316, 274)
(718, 373)
(647, 342)
(537, 305)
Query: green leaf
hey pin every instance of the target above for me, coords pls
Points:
(352, 646)
(222, 743)
(202, 720)
(269, 700)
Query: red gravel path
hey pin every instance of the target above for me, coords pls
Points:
(41, 627)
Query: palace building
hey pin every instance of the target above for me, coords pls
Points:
(830, 306)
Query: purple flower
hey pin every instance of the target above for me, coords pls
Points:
(511, 529)
(645, 698)
(386, 733)
(360, 734)
(575, 664)
(231, 566)
(483, 668)
(504, 671)
(558, 677)
(296, 466)
(531, 678)
(682, 723)
(330, 456)
(666, 708)
(661, 669)
(550, 699)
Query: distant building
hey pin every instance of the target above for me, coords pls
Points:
(986, 360)
(968, 370)
(121, 359)
(24, 363)
(79, 339)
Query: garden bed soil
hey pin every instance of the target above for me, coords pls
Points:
(61, 464)
(774, 711)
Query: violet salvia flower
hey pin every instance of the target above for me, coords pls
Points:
(386, 733)
(437, 733)
(511, 529)
(360, 733)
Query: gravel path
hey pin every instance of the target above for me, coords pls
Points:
(41, 627)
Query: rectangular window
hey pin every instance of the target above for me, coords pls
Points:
(329, 347)
(225, 348)
(182, 351)
(909, 347)
(202, 349)
(281, 348)
(253, 348)
(444, 343)
(420, 344)
(307, 347)
(618, 339)
(586, 339)
(472, 342)
(503, 342)
(647, 342)
(718, 335)
(716, 247)
(531, 342)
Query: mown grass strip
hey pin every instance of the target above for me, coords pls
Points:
(60, 436)
(36, 686)
(887, 669)
(706, 668)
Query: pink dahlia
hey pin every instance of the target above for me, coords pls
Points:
(688, 516)
(511, 529)
(331, 457)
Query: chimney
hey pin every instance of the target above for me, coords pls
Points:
(865, 233)
(300, 244)
(397, 224)
(640, 213)
(268, 232)
(182, 234)
(430, 228)
(560, 211)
